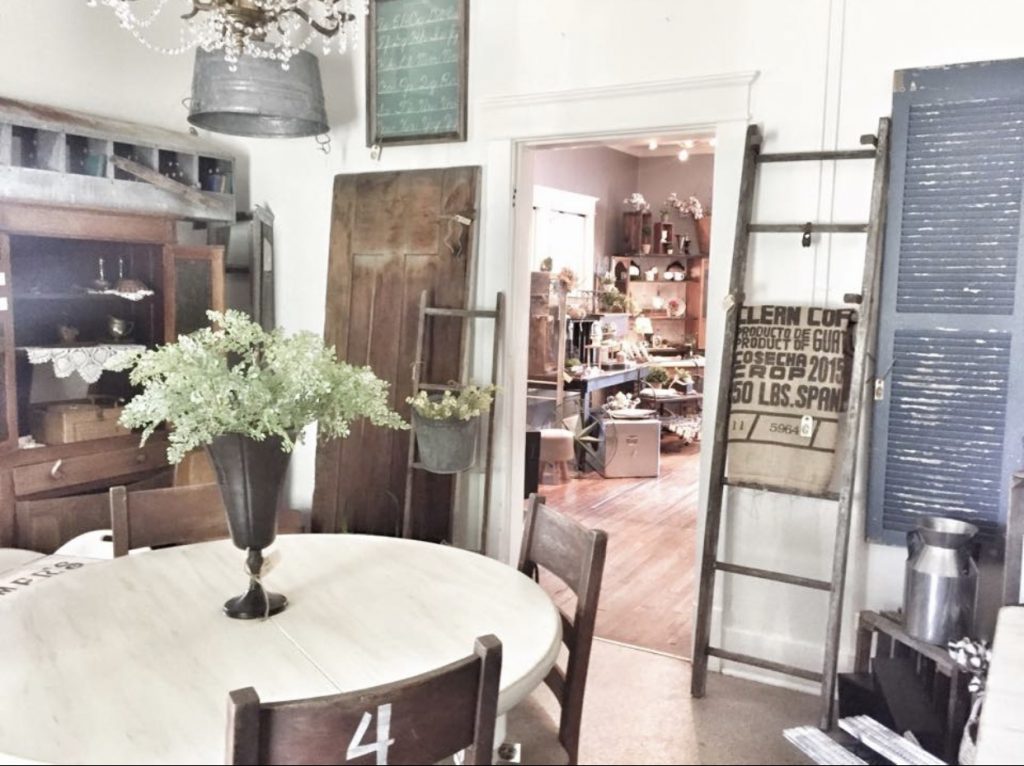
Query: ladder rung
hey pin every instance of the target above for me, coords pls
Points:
(842, 154)
(800, 228)
(797, 492)
(441, 386)
(440, 312)
(767, 574)
(757, 662)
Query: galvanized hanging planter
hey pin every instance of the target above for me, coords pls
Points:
(259, 99)
(446, 446)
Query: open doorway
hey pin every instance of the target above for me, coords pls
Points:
(619, 244)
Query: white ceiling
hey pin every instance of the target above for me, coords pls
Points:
(668, 146)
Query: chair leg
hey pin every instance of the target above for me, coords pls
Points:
(563, 467)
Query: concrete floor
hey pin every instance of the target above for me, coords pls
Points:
(638, 710)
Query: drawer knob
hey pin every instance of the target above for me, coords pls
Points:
(140, 458)
(55, 471)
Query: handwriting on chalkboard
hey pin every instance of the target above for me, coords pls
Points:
(417, 66)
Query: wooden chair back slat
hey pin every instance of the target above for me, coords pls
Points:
(420, 720)
(174, 515)
(576, 556)
(45, 525)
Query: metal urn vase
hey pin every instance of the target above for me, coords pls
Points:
(251, 474)
(941, 580)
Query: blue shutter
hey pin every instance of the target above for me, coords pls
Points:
(948, 433)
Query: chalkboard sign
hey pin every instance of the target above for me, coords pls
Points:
(416, 63)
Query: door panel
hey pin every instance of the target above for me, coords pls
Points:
(389, 242)
(947, 434)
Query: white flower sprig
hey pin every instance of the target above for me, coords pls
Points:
(689, 206)
(468, 403)
(238, 378)
(973, 657)
(636, 202)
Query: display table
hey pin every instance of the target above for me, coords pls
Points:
(131, 660)
(608, 379)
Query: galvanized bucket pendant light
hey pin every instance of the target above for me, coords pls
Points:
(257, 97)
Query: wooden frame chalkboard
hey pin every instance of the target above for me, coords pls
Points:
(416, 71)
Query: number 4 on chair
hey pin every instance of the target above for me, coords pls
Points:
(380, 747)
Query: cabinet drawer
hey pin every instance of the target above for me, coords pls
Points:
(96, 468)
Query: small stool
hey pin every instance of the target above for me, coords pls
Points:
(557, 447)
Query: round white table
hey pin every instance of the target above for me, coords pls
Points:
(131, 660)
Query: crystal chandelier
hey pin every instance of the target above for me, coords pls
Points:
(268, 29)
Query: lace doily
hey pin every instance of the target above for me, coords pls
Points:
(87, 361)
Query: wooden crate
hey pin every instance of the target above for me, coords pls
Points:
(66, 422)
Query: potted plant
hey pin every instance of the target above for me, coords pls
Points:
(657, 377)
(447, 426)
(246, 395)
(645, 243)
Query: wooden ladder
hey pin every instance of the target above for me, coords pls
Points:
(859, 375)
(466, 315)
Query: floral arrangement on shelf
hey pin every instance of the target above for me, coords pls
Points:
(466, 404)
(690, 206)
(674, 307)
(611, 298)
(637, 203)
(238, 378)
(657, 376)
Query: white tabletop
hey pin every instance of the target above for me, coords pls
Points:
(131, 660)
(1001, 731)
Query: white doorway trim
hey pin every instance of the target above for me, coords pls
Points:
(510, 126)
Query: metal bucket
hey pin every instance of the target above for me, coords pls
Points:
(941, 580)
(446, 446)
(259, 99)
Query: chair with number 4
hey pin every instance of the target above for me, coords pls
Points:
(423, 719)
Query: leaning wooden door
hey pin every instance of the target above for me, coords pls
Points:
(393, 235)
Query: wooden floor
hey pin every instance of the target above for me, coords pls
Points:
(650, 576)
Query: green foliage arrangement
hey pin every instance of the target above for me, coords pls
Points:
(468, 403)
(238, 378)
(657, 376)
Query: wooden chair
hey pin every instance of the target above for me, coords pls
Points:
(51, 524)
(176, 515)
(575, 555)
(423, 719)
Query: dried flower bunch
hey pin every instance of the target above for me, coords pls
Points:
(567, 279)
(238, 378)
(637, 203)
(468, 403)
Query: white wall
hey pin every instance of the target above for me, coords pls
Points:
(63, 53)
(825, 78)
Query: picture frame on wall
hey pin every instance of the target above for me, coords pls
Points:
(417, 71)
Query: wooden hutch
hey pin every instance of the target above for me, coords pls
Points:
(79, 195)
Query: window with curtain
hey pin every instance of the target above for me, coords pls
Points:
(563, 230)
(948, 431)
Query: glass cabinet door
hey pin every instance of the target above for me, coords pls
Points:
(193, 284)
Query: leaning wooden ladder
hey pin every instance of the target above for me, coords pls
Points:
(466, 315)
(859, 375)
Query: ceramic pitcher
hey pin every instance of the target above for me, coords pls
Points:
(941, 580)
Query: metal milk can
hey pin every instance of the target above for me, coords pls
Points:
(941, 580)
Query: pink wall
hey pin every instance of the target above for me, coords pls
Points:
(599, 172)
(660, 176)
